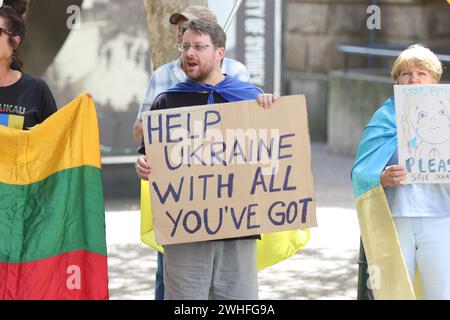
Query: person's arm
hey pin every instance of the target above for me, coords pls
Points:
(143, 168)
(137, 130)
(393, 176)
(150, 95)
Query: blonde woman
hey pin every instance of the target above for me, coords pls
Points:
(420, 212)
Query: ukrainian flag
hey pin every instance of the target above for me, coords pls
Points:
(389, 275)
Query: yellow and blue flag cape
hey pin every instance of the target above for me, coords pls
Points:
(231, 89)
(389, 275)
(272, 248)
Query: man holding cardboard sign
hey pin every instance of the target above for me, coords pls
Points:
(224, 269)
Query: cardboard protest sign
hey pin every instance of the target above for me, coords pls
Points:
(423, 127)
(229, 170)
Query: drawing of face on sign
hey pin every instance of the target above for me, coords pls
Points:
(430, 126)
(431, 121)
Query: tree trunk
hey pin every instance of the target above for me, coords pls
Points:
(161, 32)
(46, 33)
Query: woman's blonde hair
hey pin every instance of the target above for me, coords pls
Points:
(417, 56)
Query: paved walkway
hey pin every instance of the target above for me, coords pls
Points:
(325, 269)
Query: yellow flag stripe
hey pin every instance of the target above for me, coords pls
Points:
(31, 156)
(387, 268)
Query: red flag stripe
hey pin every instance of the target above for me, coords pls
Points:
(78, 275)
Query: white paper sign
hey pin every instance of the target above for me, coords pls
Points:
(423, 129)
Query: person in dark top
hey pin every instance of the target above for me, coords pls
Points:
(223, 269)
(25, 101)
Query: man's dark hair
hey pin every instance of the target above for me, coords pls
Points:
(215, 31)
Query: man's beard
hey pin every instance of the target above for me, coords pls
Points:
(199, 75)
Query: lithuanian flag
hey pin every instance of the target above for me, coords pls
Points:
(272, 248)
(388, 273)
(52, 216)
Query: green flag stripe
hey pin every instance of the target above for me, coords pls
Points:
(60, 214)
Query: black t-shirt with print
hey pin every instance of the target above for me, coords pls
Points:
(177, 100)
(26, 103)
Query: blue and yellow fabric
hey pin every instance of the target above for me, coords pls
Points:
(389, 275)
(11, 121)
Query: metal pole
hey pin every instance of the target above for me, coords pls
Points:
(372, 41)
(364, 292)
(233, 14)
(278, 39)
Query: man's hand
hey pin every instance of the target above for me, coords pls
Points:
(138, 131)
(393, 176)
(143, 168)
(266, 100)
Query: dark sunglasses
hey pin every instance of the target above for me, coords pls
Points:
(5, 31)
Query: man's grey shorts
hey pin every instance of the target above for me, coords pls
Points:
(219, 270)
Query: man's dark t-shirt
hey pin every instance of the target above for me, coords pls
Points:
(177, 100)
(26, 103)
(183, 99)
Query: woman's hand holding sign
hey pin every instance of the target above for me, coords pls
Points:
(393, 176)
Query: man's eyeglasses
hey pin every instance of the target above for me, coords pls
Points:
(183, 47)
(5, 31)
